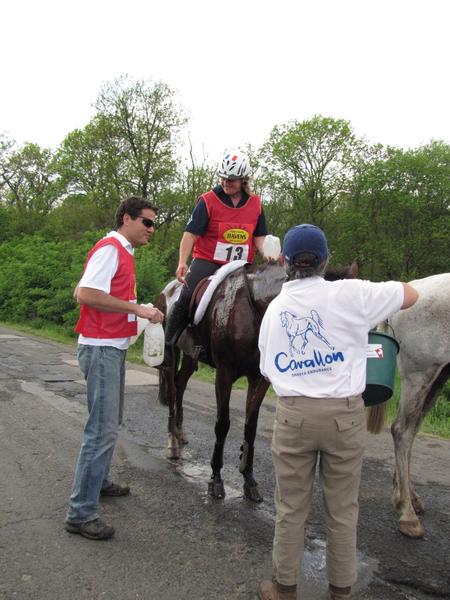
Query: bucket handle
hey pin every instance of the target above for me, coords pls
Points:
(385, 324)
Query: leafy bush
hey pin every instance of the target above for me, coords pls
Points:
(38, 276)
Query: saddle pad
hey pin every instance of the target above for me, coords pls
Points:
(215, 279)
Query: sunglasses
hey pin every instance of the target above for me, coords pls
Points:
(147, 222)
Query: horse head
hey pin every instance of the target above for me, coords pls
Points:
(333, 273)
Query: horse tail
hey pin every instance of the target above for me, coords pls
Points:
(376, 417)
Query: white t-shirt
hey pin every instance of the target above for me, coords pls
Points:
(100, 270)
(314, 335)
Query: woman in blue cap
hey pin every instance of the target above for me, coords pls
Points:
(313, 342)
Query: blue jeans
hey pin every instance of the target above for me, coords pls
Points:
(103, 368)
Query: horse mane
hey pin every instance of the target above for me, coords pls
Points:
(332, 273)
(260, 268)
(336, 272)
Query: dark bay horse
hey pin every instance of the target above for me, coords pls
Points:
(228, 333)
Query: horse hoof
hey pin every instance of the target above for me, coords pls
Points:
(412, 529)
(216, 489)
(251, 492)
(418, 505)
(182, 438)
(173, 453)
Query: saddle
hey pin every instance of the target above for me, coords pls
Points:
(197, 295)
(189, 340)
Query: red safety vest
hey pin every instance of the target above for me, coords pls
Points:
(98, 324)
(229, 235)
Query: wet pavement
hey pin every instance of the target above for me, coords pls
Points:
(172, 540)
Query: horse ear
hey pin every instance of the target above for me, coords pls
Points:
(354, 269)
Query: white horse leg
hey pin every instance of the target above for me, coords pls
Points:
(413, 394)
(419, 391)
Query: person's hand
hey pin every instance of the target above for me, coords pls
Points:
(152, 314)
(270, 259)
(181, 271)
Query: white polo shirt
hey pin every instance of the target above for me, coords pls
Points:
(314, 335)
(100, 270)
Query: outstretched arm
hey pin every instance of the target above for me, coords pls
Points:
(410, 295)
(105, 302)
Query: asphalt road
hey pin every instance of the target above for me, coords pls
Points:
(172, 541)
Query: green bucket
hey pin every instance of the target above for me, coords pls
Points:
(381, 362)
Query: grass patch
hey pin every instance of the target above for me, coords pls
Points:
(46, 331)
(436, 422)
(64, 336)
(208, 374)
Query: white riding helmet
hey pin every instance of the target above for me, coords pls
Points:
(234, 165)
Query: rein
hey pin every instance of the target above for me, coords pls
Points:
(259, 316)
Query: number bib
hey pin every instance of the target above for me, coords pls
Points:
(233, 242)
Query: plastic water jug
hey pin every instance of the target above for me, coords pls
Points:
(141, 325)
(153, 351)
(272, 247)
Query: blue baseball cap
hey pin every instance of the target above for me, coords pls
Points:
(305, 238)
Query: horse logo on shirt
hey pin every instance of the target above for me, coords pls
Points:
(302, 326)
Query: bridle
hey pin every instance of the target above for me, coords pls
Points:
(252, 303)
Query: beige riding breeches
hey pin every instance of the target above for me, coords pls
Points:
(329, 433)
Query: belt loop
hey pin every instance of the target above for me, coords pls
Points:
(351, 402)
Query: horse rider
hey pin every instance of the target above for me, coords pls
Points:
(227, 224)
(320, 411)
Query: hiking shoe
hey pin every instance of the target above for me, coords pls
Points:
(115, 490)
(271, 590)
(93, 530)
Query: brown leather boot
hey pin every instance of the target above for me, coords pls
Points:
(272, 590)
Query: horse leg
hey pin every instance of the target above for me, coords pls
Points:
(224, 382)
(305, 343)
(182, 377)
(257, 388)
(167, 396)
(418, 394)
(324, 340)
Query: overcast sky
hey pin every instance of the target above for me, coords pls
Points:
(239, 67)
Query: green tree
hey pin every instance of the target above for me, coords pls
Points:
(130, 147)
(29, 186)
(305, 167)
(176, 204)
(396, 216)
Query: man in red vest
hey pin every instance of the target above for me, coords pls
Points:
(108, 318)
